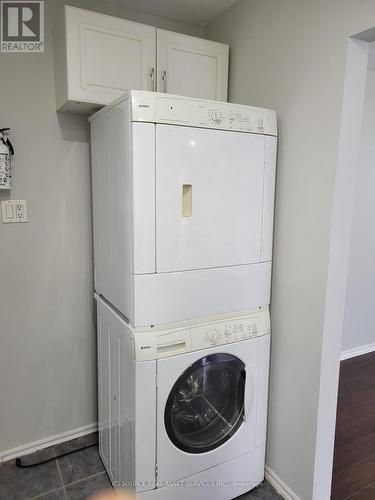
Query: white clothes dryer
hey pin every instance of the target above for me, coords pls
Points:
(183, 203)
(182, 410)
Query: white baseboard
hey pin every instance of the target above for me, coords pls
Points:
(46, 442)
(357, 351)
(279, 485)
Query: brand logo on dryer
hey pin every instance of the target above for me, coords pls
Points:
(145, 347)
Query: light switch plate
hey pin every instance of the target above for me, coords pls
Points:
(14, 211)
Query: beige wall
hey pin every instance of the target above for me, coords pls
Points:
(290, 55)
(47, 338)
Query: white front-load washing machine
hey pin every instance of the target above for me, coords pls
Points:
(183, 408)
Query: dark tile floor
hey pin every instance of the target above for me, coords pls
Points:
(76, 476)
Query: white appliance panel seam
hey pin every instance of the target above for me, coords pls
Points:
(156, 74)
(100, 384)
(132, 306)
(110, 179)
(264, 199)
(186, 124)
(109, 398)
(156, 426)
(204, 268)
(119, 408)
(155, 201)
(258, 388)
(131, 139)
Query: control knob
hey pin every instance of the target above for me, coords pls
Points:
(215, 117)
(212, 336)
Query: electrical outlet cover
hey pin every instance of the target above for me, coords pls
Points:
(14, 211)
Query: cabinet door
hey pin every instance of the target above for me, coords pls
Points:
(107, 56)
(192, 66)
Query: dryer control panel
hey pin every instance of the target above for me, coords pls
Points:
(166, 343)
(156, 107)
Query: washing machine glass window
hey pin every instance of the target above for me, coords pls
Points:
(206, 404)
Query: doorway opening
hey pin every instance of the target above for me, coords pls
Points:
(351, 279)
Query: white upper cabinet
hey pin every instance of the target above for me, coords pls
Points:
(104, 56)
(99, 57)
(192, 66)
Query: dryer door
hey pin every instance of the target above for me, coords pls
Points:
(209, 198)
(207, 404)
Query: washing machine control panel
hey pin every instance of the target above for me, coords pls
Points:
(203, 336)
(167, 343)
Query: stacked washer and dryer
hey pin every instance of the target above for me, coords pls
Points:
(183, 199)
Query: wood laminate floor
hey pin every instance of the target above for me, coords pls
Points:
(354, 458)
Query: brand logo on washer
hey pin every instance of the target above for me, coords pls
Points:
(143, 105)
(145, 347)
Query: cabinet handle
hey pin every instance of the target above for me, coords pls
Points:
(152, 78)
(164, 79)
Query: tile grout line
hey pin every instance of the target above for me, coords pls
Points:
(41, 495)
(35, 497)
(61, 478)
(85, 478)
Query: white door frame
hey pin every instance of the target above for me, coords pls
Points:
(341, 228)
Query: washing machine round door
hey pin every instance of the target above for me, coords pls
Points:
(206, 404)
